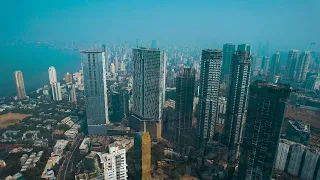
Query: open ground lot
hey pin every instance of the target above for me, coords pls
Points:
(11, 118)
(308, 116)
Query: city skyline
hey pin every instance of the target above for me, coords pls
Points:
(141, 90)
(219, 104)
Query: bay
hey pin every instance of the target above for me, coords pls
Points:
(34, 62)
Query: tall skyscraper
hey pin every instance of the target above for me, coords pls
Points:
(266, 108)
(120, 105)
(68, 78)
(244, 47)
(275, 64)
(302, 66)
(291, 64)
(237, 102)
(142, 148)
(185, 86)
(21, 92)
(105, 49)
(115, 164)
(52, 75)
(228, 50)
(95, 90)
(56, 91)
(257, 65)
(265, 65)
(116, 63)
(211, 64)
(148, 78)
(73, 95)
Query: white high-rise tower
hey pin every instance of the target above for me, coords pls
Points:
(52, 74)
(115, 164)
(56, 91)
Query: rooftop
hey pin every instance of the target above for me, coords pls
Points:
(300, 126)
(85, 143)
(146, 49)
(91, 51)
(212, 50)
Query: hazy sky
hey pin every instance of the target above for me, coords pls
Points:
(285, 24)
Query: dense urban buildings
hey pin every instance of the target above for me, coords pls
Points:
(257, 65)
(68, 78)
(96, 99)
(237, 102)
(302, 66)
(211, 64)
(228, 50)
(313, 82)
(265, 65)
(21, 92)
(298, 160)
(115, 164)
(266, 108)
(105, 49)
(142, 148)
(148, 90)
(291, 64)
(244, 47)
(195, 104)
(274, 64)
(185, 84)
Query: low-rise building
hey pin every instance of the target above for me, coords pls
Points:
(31, 135)
(10, 135)
(59, 147)
(2, 164)
(17, 176)
(298, 131)
(85, 145)
(68, 121)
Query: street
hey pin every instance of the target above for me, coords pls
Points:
(64, 169)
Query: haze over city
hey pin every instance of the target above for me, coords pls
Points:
(160, 90)
(285, 24)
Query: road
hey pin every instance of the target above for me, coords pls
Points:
(64, 169)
